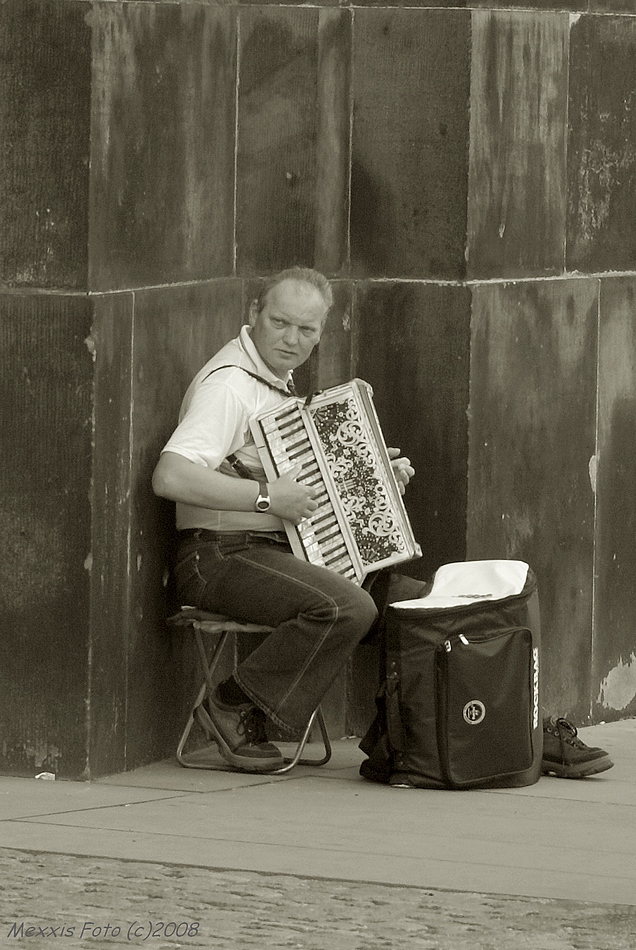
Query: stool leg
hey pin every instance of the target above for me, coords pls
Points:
(186, 732)
(207, 684)
(209, 668)
(296, 758)
(325, 741)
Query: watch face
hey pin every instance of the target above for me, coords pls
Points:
(262, 502)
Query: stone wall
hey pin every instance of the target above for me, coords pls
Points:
(466, 177)
(552, 244)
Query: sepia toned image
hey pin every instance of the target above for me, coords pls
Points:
(318, 346)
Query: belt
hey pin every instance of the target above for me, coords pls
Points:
(206, 534)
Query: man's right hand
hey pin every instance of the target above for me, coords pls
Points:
(290, 499)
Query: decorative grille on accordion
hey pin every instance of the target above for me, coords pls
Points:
(361, 524)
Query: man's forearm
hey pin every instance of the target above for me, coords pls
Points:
(180, 480)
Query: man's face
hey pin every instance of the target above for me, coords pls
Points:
(288, 327)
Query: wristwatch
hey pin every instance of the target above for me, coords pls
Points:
(263, 501)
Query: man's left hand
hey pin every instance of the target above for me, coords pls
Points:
(402, 469)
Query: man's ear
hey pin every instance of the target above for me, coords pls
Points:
(322, 327)
(253, 313)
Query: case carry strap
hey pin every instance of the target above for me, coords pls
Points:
(394, 725)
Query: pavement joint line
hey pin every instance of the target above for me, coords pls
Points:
(78, 811)
(105, 781)
(324, 850)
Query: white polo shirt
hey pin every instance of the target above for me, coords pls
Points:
(214, 422)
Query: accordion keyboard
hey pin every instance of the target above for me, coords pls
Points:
(320, 535)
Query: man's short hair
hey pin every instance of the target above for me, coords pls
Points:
(304, 274)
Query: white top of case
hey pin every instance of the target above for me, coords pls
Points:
(464, 582)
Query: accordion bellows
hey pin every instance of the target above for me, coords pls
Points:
(361, 524)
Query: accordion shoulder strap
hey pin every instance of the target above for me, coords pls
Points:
(238, 466)
(261, 379)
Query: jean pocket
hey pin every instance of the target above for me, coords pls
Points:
(188, 581)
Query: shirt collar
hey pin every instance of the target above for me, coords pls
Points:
(247, 344)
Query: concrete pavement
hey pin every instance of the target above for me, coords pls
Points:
(557, 840)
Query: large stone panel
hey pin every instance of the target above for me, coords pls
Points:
(602, 145)
(163, 143)
(293, 134)
(611, 6)
(411, 343)
(45, 520)
(111, 343)
(614, 651)
(333, 134)
(411, 3)
(543, 5)
(45, 97)
(410, 143)
(516, 205)
(532, 442)
(331, 362)
(175, 331)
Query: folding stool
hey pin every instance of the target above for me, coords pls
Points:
(202, 622)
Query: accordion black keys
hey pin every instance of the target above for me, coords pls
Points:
(361, 524)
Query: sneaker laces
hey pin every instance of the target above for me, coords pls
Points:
(571, 735)
(252, 725)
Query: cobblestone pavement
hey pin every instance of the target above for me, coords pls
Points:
(96, 903)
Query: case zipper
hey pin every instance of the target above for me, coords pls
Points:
(491, 635)
(448, 644)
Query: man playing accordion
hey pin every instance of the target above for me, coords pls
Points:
(233, 554)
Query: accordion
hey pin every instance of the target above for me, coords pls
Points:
(360, 524)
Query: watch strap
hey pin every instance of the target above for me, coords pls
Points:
(263, 495)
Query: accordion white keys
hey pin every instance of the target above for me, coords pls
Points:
(361, 524)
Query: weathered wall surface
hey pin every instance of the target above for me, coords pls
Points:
(466, 176)
(45, 513)
(553, 360)
(46, 384)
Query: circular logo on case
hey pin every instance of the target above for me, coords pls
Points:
(474, 712)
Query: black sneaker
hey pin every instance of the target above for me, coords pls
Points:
(566, 756)
(239, 732)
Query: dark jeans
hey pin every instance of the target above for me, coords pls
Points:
(319, 617)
